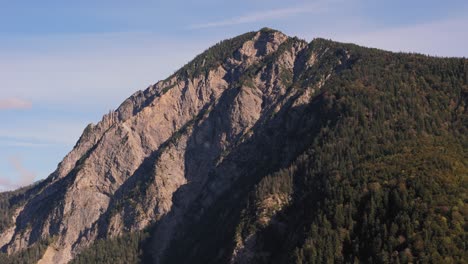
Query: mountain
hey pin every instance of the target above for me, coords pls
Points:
(263, 149)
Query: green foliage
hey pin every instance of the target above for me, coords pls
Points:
(278, 183)
(386, 178)
(28, 256)
(213, 57)
(167, 88)
(9, 201)
(383, 180)
(286, 76)
(125, 249)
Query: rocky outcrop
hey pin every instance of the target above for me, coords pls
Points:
(166, 149)
(262, 149)
(161, 141)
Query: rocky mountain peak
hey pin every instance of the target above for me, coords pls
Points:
(189, 149)
(150, 139)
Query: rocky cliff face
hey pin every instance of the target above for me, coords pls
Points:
(167, 142)
(268, 149)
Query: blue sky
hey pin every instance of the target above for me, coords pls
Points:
(63, 64)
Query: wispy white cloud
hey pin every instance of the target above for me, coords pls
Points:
(14, 103)
(43, 133)
(23, 177)
(265, 15)
(26, 144)
(6, 184)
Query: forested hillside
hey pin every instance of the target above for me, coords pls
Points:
(319, 152)
(384, 179)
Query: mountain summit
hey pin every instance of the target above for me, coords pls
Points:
(263, 149)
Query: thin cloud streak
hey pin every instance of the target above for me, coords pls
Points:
(6, 184)
(264, 15)
(14, 104)
(25, 176)
(50, 133)
(25, 144)
(7, 188)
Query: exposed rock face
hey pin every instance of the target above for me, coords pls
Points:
(263, 149)
(178, 143)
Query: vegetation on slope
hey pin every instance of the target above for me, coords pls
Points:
(381, 175)
(126, 249)
(28, 256)
(9, 201)
(213, 57)
(383, 181)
